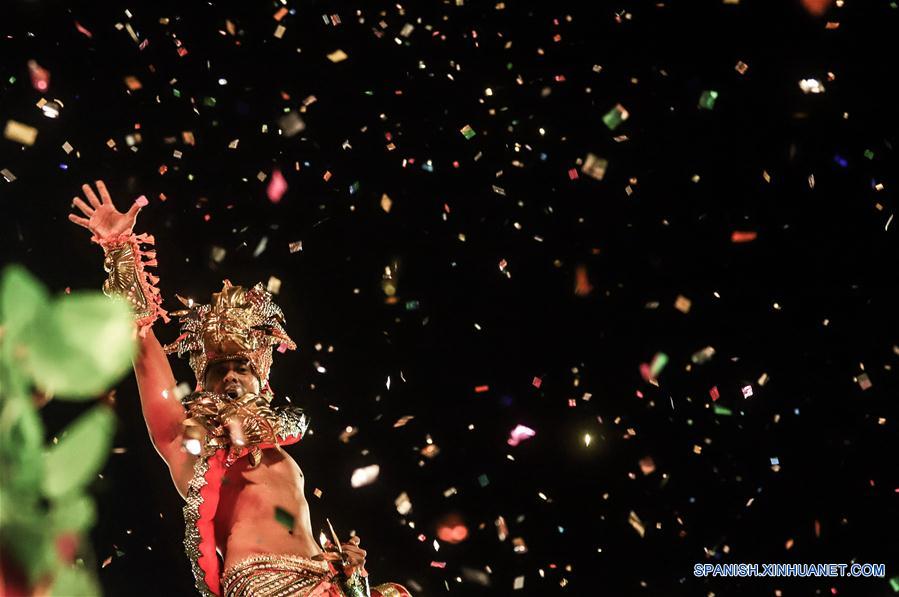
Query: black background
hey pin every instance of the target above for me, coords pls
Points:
(822, 253)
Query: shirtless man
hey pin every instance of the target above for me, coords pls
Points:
(249, 487)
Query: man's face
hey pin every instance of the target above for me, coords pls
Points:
(234, 378)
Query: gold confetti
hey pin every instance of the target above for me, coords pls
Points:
(274, 285)
(386, 203)
(403, 504)
(683, 304)
(133, 83)
(635, 522)
(595, 166)
(20, 133)
(337, 56)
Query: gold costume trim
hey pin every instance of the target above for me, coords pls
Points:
(274, 575)
(238, 323)
(125, 263)
(223, 423)
(191, 531)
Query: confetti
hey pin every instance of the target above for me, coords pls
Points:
(595, 166)
(811, 86)
(614, 117)
(519, 434)
(40, 77)
(277, 186)
(386, 203)
(273, 285)
(284, 518)
(365, 476)
(20, 133)
(707, 99)
(403, 504)
(636, 523)
(291, 124)
(337, 56)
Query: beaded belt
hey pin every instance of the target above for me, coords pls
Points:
(273, 575)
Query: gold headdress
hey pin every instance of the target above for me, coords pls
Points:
(238, 323)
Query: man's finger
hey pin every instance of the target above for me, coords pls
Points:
(77, 202)
(104, 194)
(80, 221)
(91, 196)
(137, 205)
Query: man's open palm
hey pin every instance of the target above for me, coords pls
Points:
(103, 219)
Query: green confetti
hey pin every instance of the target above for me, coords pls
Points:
(468, 132)
(707, 99)
(209, 102)
(658, 363)
(284, 518)
(869, 154)
(175, 92)
(483, 480)
(720, 410)
(615, 117)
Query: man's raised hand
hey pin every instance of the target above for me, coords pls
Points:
(102, 218)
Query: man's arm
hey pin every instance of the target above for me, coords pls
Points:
(162, 410)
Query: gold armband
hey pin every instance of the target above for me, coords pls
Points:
(125, 262)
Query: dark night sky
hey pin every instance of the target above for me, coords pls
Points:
(827, 253)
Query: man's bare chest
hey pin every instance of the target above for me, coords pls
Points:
(276, 479)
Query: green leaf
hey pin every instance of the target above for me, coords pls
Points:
(75, 581)
(80, 453)
(73, 513)
(21, 444)
(22, 297)
(31, 546)
(82, 346)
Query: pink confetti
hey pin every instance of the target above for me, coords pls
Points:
(714, 393)
(141, 201)
(519, 434)
(83, 30)
(572, 174)
(438, 564)
(40, 76)
(645, 372)
(537, 382)
(277, 186)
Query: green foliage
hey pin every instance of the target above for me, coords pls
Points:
(71, 348)
(80, 454)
